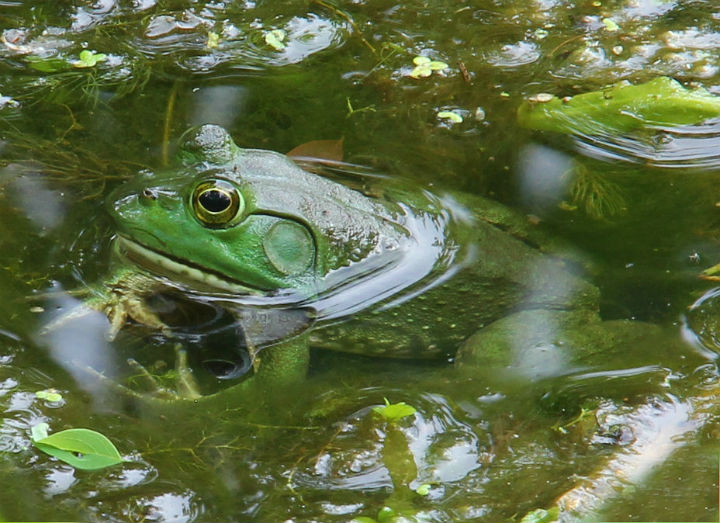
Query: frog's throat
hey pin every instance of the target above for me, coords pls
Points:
(178, 270)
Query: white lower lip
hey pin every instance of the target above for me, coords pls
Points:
(165, 266)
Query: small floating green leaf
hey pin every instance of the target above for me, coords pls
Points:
(395, 411)
(275, 39)
(89, 59)
(621, 108)
(82, 448)
(39, 431)
(424, 489)
(424, 67)
(49, 395)
(541, 515)
(450, 115)
(386, 515)
(610, 24)
(213, 40)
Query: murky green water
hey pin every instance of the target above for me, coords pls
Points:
(642, 212)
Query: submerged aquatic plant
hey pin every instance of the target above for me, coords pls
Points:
(594, 193)
(73, 166)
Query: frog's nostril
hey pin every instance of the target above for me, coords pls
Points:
(149, 194)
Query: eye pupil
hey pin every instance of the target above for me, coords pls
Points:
(217, 204)
(214, 200)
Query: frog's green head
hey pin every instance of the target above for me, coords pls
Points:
(246, 221)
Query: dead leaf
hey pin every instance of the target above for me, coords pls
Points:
(322, 150)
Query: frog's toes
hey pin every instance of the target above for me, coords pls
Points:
(119, 308)
(137, 309)
(117, 316)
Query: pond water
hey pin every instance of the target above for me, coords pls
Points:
(624, 432)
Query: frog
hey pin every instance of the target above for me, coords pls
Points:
(303, 261)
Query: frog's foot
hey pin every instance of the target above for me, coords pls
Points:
(186, 387)
(123, 297)
(119, 308)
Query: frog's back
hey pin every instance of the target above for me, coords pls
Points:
(492, 267)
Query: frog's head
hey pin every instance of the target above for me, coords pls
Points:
(246, 221)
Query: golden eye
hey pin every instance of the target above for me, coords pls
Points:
(217, 203)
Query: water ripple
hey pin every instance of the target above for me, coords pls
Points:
(685, 147)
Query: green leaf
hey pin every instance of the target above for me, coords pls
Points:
(610, 24)
(421, 71)
(275, 39)
(450, 115)
(541, 515)
(213, 40)
(39, 431)
(395, 411)
(386, 515)
(49, 395)
(621, 108)
(424, 67)
(89, 59)
(363, 519)
(424, 489)
(82, 448)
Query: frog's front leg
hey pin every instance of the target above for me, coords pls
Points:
(284, 363)
(120, 297)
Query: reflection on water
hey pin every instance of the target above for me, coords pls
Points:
(684, 147)
(58, 481)
(657, 431)
(515, 55)
(171, 507)
(703, 323)
(442, 447)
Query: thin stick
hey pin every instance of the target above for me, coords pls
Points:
(168, 120)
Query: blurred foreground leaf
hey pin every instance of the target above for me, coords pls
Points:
(620, 108)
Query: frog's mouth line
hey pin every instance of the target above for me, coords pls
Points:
(181, 270)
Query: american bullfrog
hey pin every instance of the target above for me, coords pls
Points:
(305, 261)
